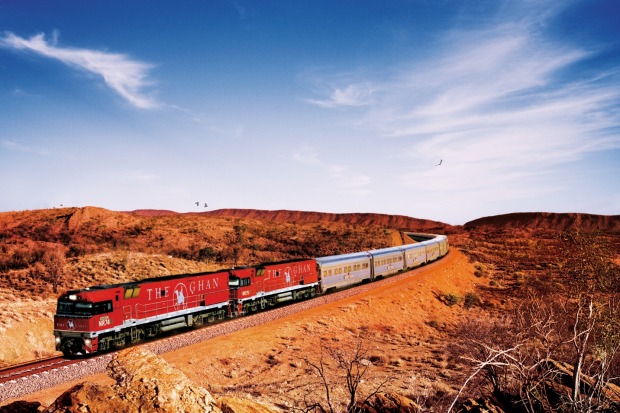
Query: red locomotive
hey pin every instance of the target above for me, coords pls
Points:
(111, 316)
(102, 317)
(255, 288)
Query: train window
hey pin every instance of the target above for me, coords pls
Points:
(84, 308)
(162, 293)
(102, 307)
(277, 273)
(131, 292)
(65, 307)
(260, 272)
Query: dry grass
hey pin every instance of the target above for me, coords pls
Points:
(26, 326)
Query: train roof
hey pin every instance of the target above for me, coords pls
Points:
(388, 250)
(177, 276)
(342, 257)
(144, 280)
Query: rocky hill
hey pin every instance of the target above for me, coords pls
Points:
(548, 220)
(366, 219)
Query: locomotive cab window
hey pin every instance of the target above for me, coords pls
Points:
(85, 309)
(238, 282)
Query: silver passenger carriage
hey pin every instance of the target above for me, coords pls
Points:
(415, 255)
(432, 249)
(443, 245)
(338, 271)
(387, 261)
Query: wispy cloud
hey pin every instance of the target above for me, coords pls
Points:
(306, 155)
(351, 95)
(503, 105)
(14, 145)
(357, 184)
(343, 176)
(127, 77)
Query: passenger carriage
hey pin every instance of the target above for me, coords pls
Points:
(338, 271)
(415, 255)
(387, 261)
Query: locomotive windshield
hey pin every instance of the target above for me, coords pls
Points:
(235, 282)
(83, 308)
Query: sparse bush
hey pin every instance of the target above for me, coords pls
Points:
(433, 323)
(450, 299)
(471, 300)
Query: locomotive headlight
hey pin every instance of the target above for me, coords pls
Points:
(57, 340)
(73, 297)
(87, 341)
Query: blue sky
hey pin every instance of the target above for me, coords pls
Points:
(330, 106)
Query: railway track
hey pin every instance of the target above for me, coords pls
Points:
(27, 378)
(33, 367)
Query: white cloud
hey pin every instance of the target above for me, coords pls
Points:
(125, 76)
(352, 95)
(348, 181)
(306, 155)
(17, 146)
(496, 104)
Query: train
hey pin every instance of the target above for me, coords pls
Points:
(108, 317)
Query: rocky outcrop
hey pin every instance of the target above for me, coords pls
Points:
(146, 383)
(22, 407)
(388, 403)
(480, 406)
(236, 405)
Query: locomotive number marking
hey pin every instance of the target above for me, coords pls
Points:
(104, 321)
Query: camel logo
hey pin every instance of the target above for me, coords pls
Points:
(180, 295)
(70, 324)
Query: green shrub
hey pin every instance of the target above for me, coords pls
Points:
(471, 300)
(451, 299)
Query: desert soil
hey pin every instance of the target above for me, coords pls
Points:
(402, 327)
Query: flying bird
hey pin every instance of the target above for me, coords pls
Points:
(206, 205)
(197, 203)
(440, 161)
